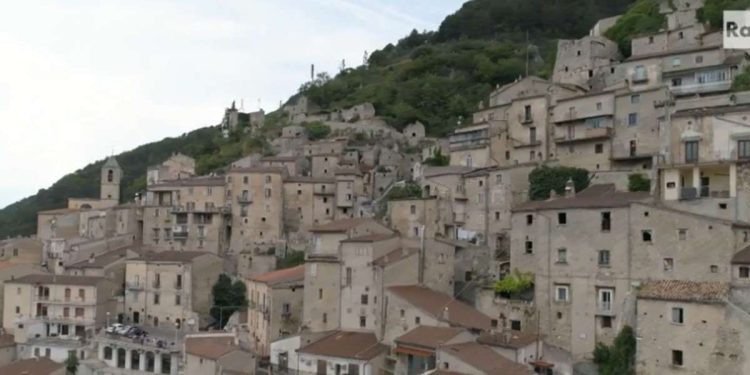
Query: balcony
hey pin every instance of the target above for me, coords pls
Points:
(64, 301)
(180, 232)
(604, 308)
(75, 320)
(134, 285)
(525, 119)
(701, 88)
(178, 286)
(589, 134)
(156, 284)
(690, 193)
(245, 198)
(323, 190)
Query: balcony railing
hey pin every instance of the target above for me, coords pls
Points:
(245, 198)
(180, 231)
(699, 88)
(63, 300)
(604, 308)
(77, 320)
(133, 285)
(588, 134)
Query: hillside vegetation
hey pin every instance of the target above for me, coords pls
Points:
(435, 77)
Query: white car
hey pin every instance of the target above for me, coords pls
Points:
(122, 329)
(114, 328)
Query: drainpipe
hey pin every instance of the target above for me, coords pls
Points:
(420, 271)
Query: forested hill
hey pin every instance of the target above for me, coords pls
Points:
(435, 77)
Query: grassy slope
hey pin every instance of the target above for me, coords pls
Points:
(436, 77)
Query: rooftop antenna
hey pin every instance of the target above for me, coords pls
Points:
(312, 72)
(258, 103)
(242, 104)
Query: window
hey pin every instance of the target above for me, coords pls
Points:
(320, 293)
(403, 312)
(668, 264)
(417, 320)
(268, 193)
(532, 135)
(743, 149)
(562, 218)
(325, 318)
(413, 209)
(606, 296)
(353, 369)
(362, 321)
(635, 99)
(498, 179)
(691, 151)
(497, 216)
(156, 298)
(606, 221)
(698, 59)
(682, 234)
(678, 315)
(632, 119)
(177, 300)
(676, 81)
(515, 325)
(562, 293)
(529, 219)
(529, 247)
(676, 357)
(598, 148)
(527, 113)
(81, 294)
(348, 276)
(79, 312)
(640, 74)
(714, 268)
(646, 235)
(603, 258)
(744, 274)
(562, 256)
(268, 179)
(651, 40)
(244, 180)
(364, 299)
(606, 321)
(676, 61)
(599, 106)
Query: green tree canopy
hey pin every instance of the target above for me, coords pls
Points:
(619, 358)
(544, 179)
(638, 182)
(228, 297)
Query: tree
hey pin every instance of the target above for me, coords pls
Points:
(317, 130)
(71, 364)
(292, 259)
(638, 182)
(544, 179)
(437, 159)
(515, 283)
(617, 359)
(228, 297)
(643, 17)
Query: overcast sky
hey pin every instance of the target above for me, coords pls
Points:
(82, 79)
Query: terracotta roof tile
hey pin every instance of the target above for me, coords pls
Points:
(343, 344)
(193, 181)
(394, 256)
(210, 347)
(595, 196)
(340, 225)
(58, 279)
(102, 260)
(33, 366)
(372, 237)
(742, 256)
(442, 306)
(686, 291)
(171, 256)
(282, 276)
(485, 359)
(429, 336)
(507, 339)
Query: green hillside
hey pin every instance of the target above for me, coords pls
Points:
(436, 77)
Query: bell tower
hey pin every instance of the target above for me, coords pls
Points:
(110, 182)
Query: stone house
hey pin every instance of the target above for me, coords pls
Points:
(638, 113)
(414, 133)
(257, 207)
(295, 165)
(580, 60)
(275, 308)
(216, 354)
(475, 358)
(415, 218)
(50, 315)
(349, 186)
(324, 165)
(416, 350)
(685, 328)
(323, 273)
(409, 306)
(177, 167)
(342, 352)
(584, 126)
(308, 201)
(187, 214)
(170, 289)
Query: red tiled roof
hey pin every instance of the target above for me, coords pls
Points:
(282, 276)
(485, 359)
(507, 339)
(428, 336)
(209, 347)
(442, 306)
(371, 237)
(394, 256)
(343, 344)
(33, 366)
(686, 291)
(340, 225)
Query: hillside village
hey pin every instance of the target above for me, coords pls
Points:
(378, 251)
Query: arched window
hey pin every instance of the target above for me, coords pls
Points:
(107, 352)
(110, 175)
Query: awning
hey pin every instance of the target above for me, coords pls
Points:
(414, 351)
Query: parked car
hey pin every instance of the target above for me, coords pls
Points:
(113, 328)
(122, 330)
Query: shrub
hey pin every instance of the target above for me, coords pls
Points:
(638, 182)
(545, 178)
(515, 283)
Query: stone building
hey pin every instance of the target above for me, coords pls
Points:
(580, 60)
(323, 273)
(216, 354)
(257, 195)
(177, 167)
(584, 126)
(187, 214)
(170, 288)
(308, 201)
(475, 358)
(275, 308)
(51, 315)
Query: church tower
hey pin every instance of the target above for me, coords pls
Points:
(111, 175)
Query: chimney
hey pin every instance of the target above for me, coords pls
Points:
(446, 314)
(552, 195)
(570, 189)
